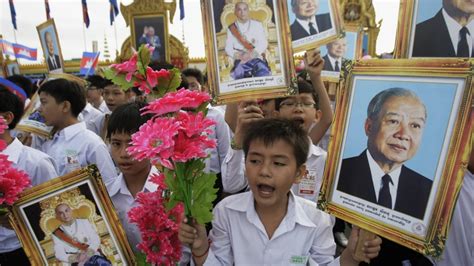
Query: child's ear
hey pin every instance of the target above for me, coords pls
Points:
(66, 106)
(318, 116)
(300, 172)
(8, 116)
(275, 113)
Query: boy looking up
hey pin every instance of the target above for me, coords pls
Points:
(269, 224)
(72, 146)
(39, 167)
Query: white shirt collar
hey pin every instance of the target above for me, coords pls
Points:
(305, 23)
(377, 173)
(294, 214)
(333, 61)
(13, 151)
(454, 27)
(315, 150)
(72, 130)
(119, 185)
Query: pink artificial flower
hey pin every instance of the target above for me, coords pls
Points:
(195, 124)
(129, 67)
(3, 125)
(12, 181)
(151, 81)
(155, 141)
(195, 147)
(159, 179)
(175, 101)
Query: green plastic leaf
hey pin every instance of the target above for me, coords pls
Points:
(203, 194)
(170, 84)
(144, 58)
(118, 79)
(141, 259)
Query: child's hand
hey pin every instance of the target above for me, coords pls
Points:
(247, 112)
(313, 62)
(371, 249)
(194, 235)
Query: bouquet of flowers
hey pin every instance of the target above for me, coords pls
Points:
(177, 138)
(12, 181)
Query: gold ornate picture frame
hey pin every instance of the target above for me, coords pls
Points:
(40, 228)
(262, 70)
(423, 30)
(151, 29)
(417, 123)
(327, 19)
(49, 40)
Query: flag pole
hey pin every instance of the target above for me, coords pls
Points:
(115, 31)
(14, 35)
(84, 36)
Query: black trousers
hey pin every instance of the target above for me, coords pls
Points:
(16, 257)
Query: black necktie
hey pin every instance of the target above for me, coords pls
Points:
(336, 66)
(463, 47)
(384, 195)
(312, 30)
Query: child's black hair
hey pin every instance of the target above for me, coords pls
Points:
(9, 102)
(303, 87)
(127, 119)
(270, 130)
(65, 90)
(194, 72)
(24, 83)
(96, 81)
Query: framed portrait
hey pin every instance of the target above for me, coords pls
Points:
(152, 30)
(313, 23)
(248, 52)
(434, 28)
(400, 147)
(51, 48)
(339, 51)
(13, 69)
(70, 219)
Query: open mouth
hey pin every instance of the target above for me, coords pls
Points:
(299, 120)
(265, 190)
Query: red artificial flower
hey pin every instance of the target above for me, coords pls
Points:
(3, 126)
(12, 181)
(175, 101)
(187, 148)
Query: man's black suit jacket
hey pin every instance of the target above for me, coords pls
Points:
(298, 32)
(50, 63)
(432, 38)
(327, 64)
(413, 189)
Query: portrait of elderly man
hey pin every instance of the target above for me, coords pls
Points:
(334, 59)
(75, 241)
(450, 33)
(307, 23)
(246, 44)
(54, 62)
(149, 37)
(394, 127)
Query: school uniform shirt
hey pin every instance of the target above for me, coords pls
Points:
(96, 125)
(303, 236)
(459, 248)
(40, 168)
(124, 201)
(234, 180)
(75, 147)
(103, 108)
(89, 113)
(221, 133)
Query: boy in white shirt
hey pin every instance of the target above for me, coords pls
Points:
(39, 167)
(135, 175)
(72, 146)
(270, 225)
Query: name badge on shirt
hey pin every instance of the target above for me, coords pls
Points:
(298, 260)
(72, 160)
(307, 185)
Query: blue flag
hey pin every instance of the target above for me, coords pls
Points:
(85, 13)
(181, 9)
(13, 13)
(114, 10)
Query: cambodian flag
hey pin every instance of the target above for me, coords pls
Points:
(13, 13)
(89, 63)
(7, 47)
(24, 52)
(85, 13)
(114, 10)
(15, 89)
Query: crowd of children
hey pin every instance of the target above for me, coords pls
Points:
(269, 166)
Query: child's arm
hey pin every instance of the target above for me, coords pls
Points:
(314, 65)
